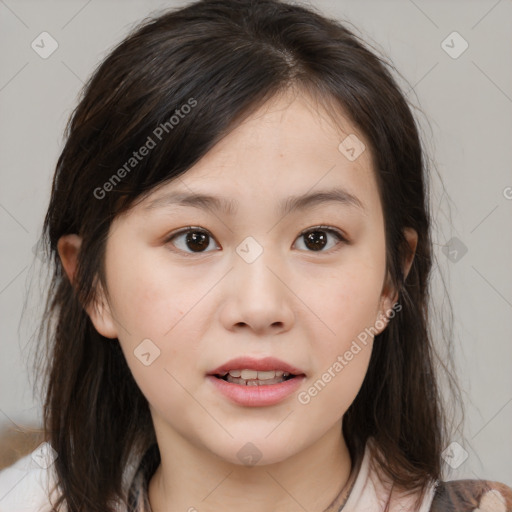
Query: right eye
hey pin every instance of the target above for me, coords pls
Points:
(193, 238)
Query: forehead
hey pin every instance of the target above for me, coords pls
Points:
(290, 151)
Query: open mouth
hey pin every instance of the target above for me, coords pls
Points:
(254, 377)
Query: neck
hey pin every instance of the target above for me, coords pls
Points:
(190, 478)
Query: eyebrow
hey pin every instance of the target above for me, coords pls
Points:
(230, 206)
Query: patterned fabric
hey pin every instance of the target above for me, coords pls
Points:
(472, 496)
(367, 493)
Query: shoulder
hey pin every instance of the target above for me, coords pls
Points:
(472, 496)
(25, 486)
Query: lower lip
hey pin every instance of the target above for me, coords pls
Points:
(257, 396)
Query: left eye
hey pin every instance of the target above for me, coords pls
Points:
(196, 239)
(316, 238)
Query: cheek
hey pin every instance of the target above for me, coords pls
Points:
(342, 353)
(148, 305)
(148, 296)
(155, 348)
(152, 300)
(347, 301)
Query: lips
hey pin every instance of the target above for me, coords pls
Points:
(263, 391)
(266, 364)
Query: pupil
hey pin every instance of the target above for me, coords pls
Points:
(317, 239)
(200, 239)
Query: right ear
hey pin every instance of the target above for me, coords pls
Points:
(99, 312)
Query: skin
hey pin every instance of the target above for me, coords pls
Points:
(203, 308)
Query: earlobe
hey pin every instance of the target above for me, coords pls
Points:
(385, 309)
(101, 315)
(98, 310)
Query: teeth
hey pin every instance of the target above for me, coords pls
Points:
(255, 378)
(254, 382)
(266, 375)
(249, 374)
(257, 375)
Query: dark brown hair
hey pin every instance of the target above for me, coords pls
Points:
(227, 56)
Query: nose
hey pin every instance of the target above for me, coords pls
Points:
(259, 297)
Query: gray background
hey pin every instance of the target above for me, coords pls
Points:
(467, 105)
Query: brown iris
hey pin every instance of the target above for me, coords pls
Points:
(315, 240)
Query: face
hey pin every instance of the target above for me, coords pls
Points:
(253, 274)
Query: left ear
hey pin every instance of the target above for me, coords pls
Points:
(389, 294)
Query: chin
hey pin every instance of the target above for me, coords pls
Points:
(247, 450)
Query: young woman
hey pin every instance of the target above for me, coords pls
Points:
(238, 318)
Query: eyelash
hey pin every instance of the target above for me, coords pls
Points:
(341, 239)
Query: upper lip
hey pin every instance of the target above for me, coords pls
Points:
(251, 363)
